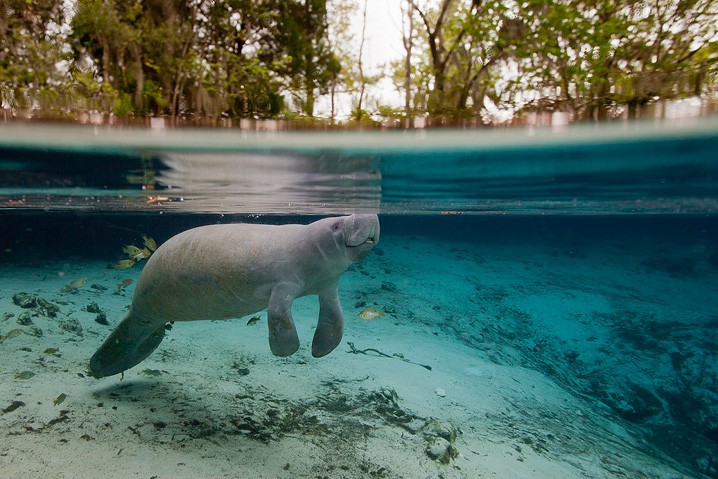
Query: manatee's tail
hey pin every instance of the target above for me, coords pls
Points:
(128, 345)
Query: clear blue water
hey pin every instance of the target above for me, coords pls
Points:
(588, 255)
(643, 168)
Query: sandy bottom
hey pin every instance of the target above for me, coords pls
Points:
(493, 360)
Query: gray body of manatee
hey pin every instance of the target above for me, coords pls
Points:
(229, 271)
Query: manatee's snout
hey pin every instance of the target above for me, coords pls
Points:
(362, 233)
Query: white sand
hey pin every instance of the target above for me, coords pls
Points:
(192, 410)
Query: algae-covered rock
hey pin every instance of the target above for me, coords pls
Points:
(46, 308)
(437, 428)
(39, 305)
(93, 308)
(101, 318)
(440, 436)
(34, 331)
(24, 319)
(439, 449)
(24, 300)
(71, 326)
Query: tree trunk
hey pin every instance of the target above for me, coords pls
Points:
(439, 55)
(106, 76)
(362, 81)
(332, 96)
(309, 90)
(408, 46)
(139, 80)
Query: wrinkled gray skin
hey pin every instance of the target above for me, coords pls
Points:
(229, 271)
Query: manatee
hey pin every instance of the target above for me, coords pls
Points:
(229, 271)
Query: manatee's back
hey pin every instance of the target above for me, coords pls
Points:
(214, 272)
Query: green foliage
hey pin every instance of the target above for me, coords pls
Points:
(575, 55)
(215, 59)
(206, 59)
(122, 106)
(310, 63)
(464, 43)
(591, 56)
(30, 48)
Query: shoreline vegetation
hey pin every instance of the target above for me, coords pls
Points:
(690, 108)
(301, 64)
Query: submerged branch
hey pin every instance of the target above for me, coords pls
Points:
(376, 352)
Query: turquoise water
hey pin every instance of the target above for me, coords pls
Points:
(643, 168)
(548, 301)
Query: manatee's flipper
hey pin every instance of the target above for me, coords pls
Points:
(283, 338)
(128, 345)
(330, 326)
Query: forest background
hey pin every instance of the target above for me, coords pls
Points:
(215, 62)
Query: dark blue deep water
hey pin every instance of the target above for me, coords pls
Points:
(587, 257)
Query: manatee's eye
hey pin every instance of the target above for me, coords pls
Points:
(335, 227)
